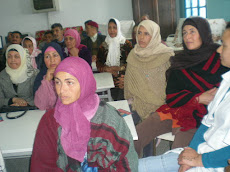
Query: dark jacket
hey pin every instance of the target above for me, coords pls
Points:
(88, 42)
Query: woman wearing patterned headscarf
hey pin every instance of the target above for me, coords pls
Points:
(45, 95)
(30, 43)
(17, 79)
(74, 48)
(81, 134)
(191, 85)
(112, 55)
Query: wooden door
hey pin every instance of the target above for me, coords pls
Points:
(162, 12)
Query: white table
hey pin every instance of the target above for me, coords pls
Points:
(104, 82)
(17, 135)
(123, 104)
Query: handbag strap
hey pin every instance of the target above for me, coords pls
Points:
(15, 117)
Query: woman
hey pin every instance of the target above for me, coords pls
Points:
(81, 131)
(191, 85)
(144, 82)
(210, 146)
(74, 48)
(112, 55)
(45, 95)
(145, 75)
(31, 44)
(17, 79)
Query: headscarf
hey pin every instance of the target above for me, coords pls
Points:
(22, 73)
(43, 70)
(145, 74)
(189, 58)
(75, 117)
(155, 46)
(114, 52)
(35, 52)
(74, 33)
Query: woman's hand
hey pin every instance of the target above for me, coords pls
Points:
(120, 82)
(94, 58)
(74, 51)
(50, 74)
(113, 70)
(184, 168)
(190, 157)
(19, 102)
(206, 97)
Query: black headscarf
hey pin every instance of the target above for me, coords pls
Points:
(43, 69)
(189, 58)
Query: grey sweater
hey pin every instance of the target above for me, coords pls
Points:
(24, 90)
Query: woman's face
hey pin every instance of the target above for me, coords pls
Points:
(52, 59)
(13, 59)
(29, 45)
(67, 87)
(191, 37)
(143, 37)
(224, 49)
(70, 42)
(112, 29)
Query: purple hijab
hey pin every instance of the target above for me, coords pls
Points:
(75, 117)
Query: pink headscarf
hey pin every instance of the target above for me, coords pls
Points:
(76, 36)
(75, 117)
(35, 52)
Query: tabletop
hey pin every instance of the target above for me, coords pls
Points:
(104, 80)
(17, 135)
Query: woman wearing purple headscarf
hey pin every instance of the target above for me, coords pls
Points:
(81, 133)
(74, 48)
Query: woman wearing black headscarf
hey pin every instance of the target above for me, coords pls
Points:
(45, 95)
(191, 85)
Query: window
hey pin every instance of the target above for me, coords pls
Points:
(195, 8)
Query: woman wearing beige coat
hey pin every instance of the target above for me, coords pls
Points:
(145, 82)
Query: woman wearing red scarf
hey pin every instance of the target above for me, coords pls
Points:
(191, 85)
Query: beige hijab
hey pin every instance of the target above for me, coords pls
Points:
(145, 81)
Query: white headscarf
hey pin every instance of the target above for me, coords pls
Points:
(20, 74)
(35, 52)
(114, 52)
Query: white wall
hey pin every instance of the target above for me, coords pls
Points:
(18, 15)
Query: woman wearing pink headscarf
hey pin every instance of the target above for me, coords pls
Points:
(81, 133)
(31, 44)
(74, 48)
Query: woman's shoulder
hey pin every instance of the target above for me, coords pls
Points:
(104, 45)
(3, 74)
(48, 119)
(107, 114)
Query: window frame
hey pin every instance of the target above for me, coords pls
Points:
(198, 8)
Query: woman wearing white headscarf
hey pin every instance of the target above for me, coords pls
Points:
(30, 43)
(113, 53)
(17, 79)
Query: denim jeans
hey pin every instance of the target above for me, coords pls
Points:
(162, 163)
